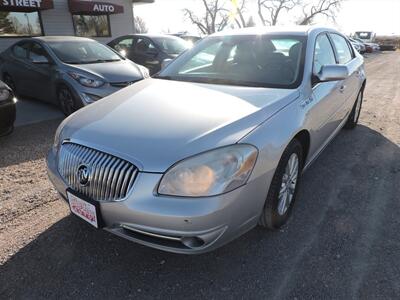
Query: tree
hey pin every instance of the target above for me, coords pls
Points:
(140, 25)
(273, 9)
(270, 11)
(6, 25)
(217, 15)
(327, 8)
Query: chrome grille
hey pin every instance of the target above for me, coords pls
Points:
(110, 178)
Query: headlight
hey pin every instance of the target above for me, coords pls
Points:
(4, 94)
(211, 173)
(86, 81)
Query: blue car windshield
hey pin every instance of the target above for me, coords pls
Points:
(244, 60)
(83, 52)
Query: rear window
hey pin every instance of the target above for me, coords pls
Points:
(21, 50)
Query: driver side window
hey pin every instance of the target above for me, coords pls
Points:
(324, 54)
(142, 46)
(38, 53)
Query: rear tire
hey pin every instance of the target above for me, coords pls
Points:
(67, 101)
(354, 116)
(283, 189)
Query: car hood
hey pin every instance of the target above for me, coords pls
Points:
(117, 71)
(155, 123)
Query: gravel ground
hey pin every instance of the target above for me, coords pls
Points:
(343, 240)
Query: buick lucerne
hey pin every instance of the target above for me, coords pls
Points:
(215, 143)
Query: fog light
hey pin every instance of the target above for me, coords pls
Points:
(89, 98)
(192, 242)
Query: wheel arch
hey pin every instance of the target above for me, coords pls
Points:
(304, 138)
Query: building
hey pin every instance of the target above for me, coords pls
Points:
(100, 20)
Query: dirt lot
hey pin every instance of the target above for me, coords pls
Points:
(342, 242)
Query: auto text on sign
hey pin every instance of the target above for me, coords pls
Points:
(104, 8)
(23, 3)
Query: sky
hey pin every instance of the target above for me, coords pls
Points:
(380, 16)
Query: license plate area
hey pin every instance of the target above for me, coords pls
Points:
(85, 208)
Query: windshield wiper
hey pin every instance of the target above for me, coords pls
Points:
(98, 61)
(222, 81)
(163, 77)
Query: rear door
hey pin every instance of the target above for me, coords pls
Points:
(18, 65)
(39, 73)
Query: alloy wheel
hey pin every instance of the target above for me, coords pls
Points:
(288, 186)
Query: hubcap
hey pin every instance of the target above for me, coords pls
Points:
(66, 101)
(358, 108)
(288, 186)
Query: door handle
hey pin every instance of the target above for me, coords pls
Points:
(342, 88)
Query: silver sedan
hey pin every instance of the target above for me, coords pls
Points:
(215, 144)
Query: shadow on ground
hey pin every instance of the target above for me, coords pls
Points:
(342, 242)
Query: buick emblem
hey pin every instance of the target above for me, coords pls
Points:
(83, 175)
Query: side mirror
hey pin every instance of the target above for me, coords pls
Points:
(332, 73)
(166, 62)
(40, 60)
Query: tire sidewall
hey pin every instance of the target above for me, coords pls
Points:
(76, 105)
(272, 219)
(351, 121)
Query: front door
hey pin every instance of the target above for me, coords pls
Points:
(327, 97)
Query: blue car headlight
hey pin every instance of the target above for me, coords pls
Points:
(86, 81)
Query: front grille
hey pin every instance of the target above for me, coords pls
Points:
(122, 84)
(109, 178)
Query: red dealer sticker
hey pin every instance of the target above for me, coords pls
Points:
(83, 209)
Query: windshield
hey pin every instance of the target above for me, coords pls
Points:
(171, 45)
(83, 52)
(259, 60)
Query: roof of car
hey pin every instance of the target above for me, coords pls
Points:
(290, 30)
(151, 35)
(60, 38)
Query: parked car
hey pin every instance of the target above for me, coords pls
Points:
(71, 72)
(7, 109)
(191, 39)
(387, 47)
(149, 50)
(191, 159)
(370, 47)
(360, 47)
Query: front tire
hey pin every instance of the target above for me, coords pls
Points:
(354, 116)
(284, 186)
(67, 101)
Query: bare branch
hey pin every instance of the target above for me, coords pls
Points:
(274, 8)
(216, 16)
(327, 8)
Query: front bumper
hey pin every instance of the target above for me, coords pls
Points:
(176, 224)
